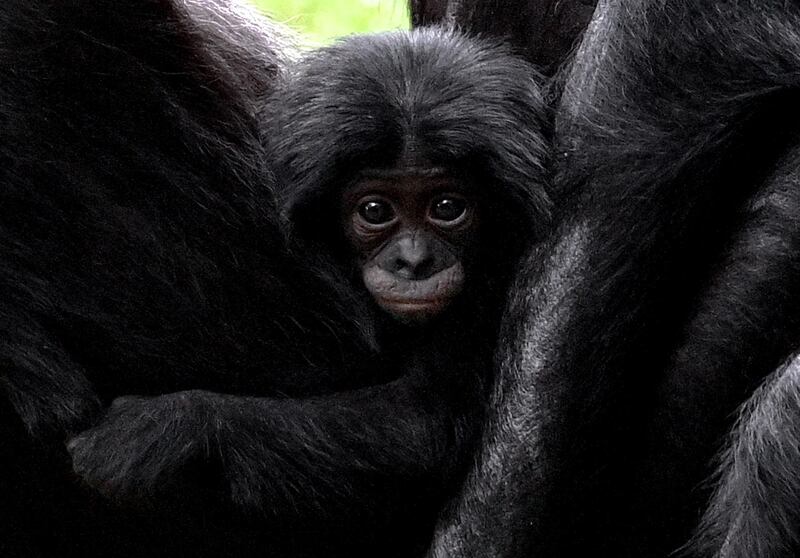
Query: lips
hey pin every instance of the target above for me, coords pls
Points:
(413, 308)
(413, 304)
(440, 286)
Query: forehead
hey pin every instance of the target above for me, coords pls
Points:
(402, 182)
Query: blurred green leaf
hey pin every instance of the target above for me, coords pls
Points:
(321, 21)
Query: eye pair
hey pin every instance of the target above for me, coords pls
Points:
(446, 210)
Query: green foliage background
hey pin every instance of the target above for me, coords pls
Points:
(321, 21)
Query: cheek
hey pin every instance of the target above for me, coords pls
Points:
(365, 247)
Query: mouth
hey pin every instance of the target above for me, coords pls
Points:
(414, 308)
(414, 300)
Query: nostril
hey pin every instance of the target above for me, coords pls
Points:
(424, 268)
(399, 264)
(414, 267)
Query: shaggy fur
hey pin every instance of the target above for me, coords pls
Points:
(754, 511)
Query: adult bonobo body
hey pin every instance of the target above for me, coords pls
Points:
(412, 174)
(669, 291)
(140, 251)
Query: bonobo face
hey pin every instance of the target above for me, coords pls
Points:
(413, 234)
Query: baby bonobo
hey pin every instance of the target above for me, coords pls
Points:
(411, 171)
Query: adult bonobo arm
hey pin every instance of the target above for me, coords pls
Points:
(650, 159)
(544, 31)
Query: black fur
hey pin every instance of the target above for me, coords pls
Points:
(358, 472)
(668, 291)
(543, 31)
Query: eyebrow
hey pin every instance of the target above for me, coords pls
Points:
(422, 172)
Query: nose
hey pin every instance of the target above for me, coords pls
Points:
(413, 259)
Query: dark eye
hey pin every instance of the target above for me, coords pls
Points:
(448, 209)
(376, 212)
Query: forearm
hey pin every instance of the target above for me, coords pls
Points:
(285, 458)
